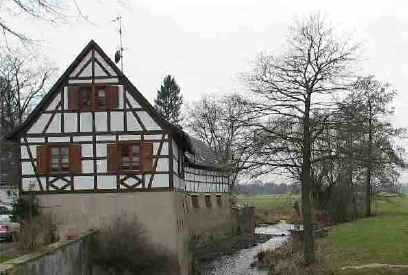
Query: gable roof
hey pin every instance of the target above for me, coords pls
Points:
(181, 138)
(203, 156)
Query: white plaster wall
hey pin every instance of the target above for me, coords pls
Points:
(87, 150)
(27, 168)
(24, 151)
(98, 70)
(59, 183)
(107, 182)
(87, 166)
(55, 126)
(152, 137)
(36, 139)
(39, 125)
(131, 181)
(107, 80)
(82, 138)
(86, 122)
(83, 182)
(159, 180)
(101, 121)
(101, 166)
(117, 121)
(81, 64)
(106, 138)
(132, 100)
(65, 94)
(121, 99)
(148, 121)
(87, 72)
(164, 150)
(52, 106)
(175, 149)
(163, 165)
(58, 139)
(129, 137)
(175, 166)
(132, 123)
(101, 150)
(80, 81)
(70, 122)
(26, 183)
(104, 64)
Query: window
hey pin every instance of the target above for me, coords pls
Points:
(85, 94)
(219, 201)
(62, 158)
(208, 201)
(130, 156)
(59, 159)
(194, 200)
(92, 97)
(101, 97)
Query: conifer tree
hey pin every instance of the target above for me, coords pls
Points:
(169, 100)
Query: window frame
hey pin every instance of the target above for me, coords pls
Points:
(130, 144)
(97, 97)
(195, 201)
(219, 200)
(208, 202)
(60, 171)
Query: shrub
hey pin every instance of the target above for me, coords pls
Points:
(37, 232)
(123, 248)
(25, 208)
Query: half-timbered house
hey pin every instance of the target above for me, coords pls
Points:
(94, 148)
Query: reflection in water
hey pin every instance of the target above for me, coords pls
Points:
(240, 262)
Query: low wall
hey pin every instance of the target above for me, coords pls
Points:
(62, 258)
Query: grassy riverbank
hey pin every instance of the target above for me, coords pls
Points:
(381, 239)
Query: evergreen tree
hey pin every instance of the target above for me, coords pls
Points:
(168, 101)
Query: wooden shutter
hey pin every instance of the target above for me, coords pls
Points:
(112, 97)
(75, 163)
(147, 156)
(113, 158)
(73, 98)
(42, 159)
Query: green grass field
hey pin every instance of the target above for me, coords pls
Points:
(379, 239)
(267, 202)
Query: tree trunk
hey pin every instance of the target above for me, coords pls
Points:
(309, 255)
(369, 162)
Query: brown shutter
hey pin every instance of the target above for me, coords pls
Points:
(42, 159)
(73, 98)
(75, 163)
(113, 158)
(147, 156)
(112, 97)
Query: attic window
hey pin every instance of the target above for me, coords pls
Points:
(101, 97)
(93, 97)
(85, 94)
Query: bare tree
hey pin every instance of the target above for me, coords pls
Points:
(292, 93)
(51, 11)
(23, 81)
(220, 122)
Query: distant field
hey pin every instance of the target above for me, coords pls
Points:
(267, 202)
(379, 239)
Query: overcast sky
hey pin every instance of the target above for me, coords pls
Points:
(206, 44)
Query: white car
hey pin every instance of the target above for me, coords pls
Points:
(8, 230)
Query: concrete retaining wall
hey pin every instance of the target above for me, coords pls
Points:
(62, 258)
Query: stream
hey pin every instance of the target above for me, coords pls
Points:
(240, 262)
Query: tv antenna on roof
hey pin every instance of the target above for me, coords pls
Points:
(119, 52)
